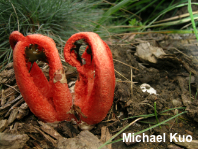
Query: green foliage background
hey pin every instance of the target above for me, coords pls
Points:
(59, 19)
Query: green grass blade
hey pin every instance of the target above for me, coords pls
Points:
(192, 18)
(118, 133)
(196, 94)
(151, 3)
(163, 122)
(179, 108)
(155, 112)
(160, 3)
(177, 22)
(145, 116)
(165, 11)
(112, 10)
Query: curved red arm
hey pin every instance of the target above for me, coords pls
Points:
(48, 100)
(51, 100)
(15, 37)
(94, 89)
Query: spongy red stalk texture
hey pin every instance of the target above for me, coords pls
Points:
(49, 101)
(94, 89)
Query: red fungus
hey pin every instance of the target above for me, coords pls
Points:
(94, 90)
(51, 100)
(48, 100)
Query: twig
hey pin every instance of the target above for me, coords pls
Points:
(126, 81)
(3, 99)
(13, 87)
(190, 86)
(120, 132)
(125, 64)
(121, 74)
(14, 106)
(102, 27)
(110, 113)
(11, 102)
(179, 52)
(49, 138)
(131, 82)
(3, 109)
(174, 18)
(121, 44)
(189, 69)
(171, 126)
(147, 104)
(16, 15)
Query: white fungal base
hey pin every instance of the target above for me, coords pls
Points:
(85, 126)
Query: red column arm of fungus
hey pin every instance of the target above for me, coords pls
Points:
(94, 89)
(51, 100)
(48, 100)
